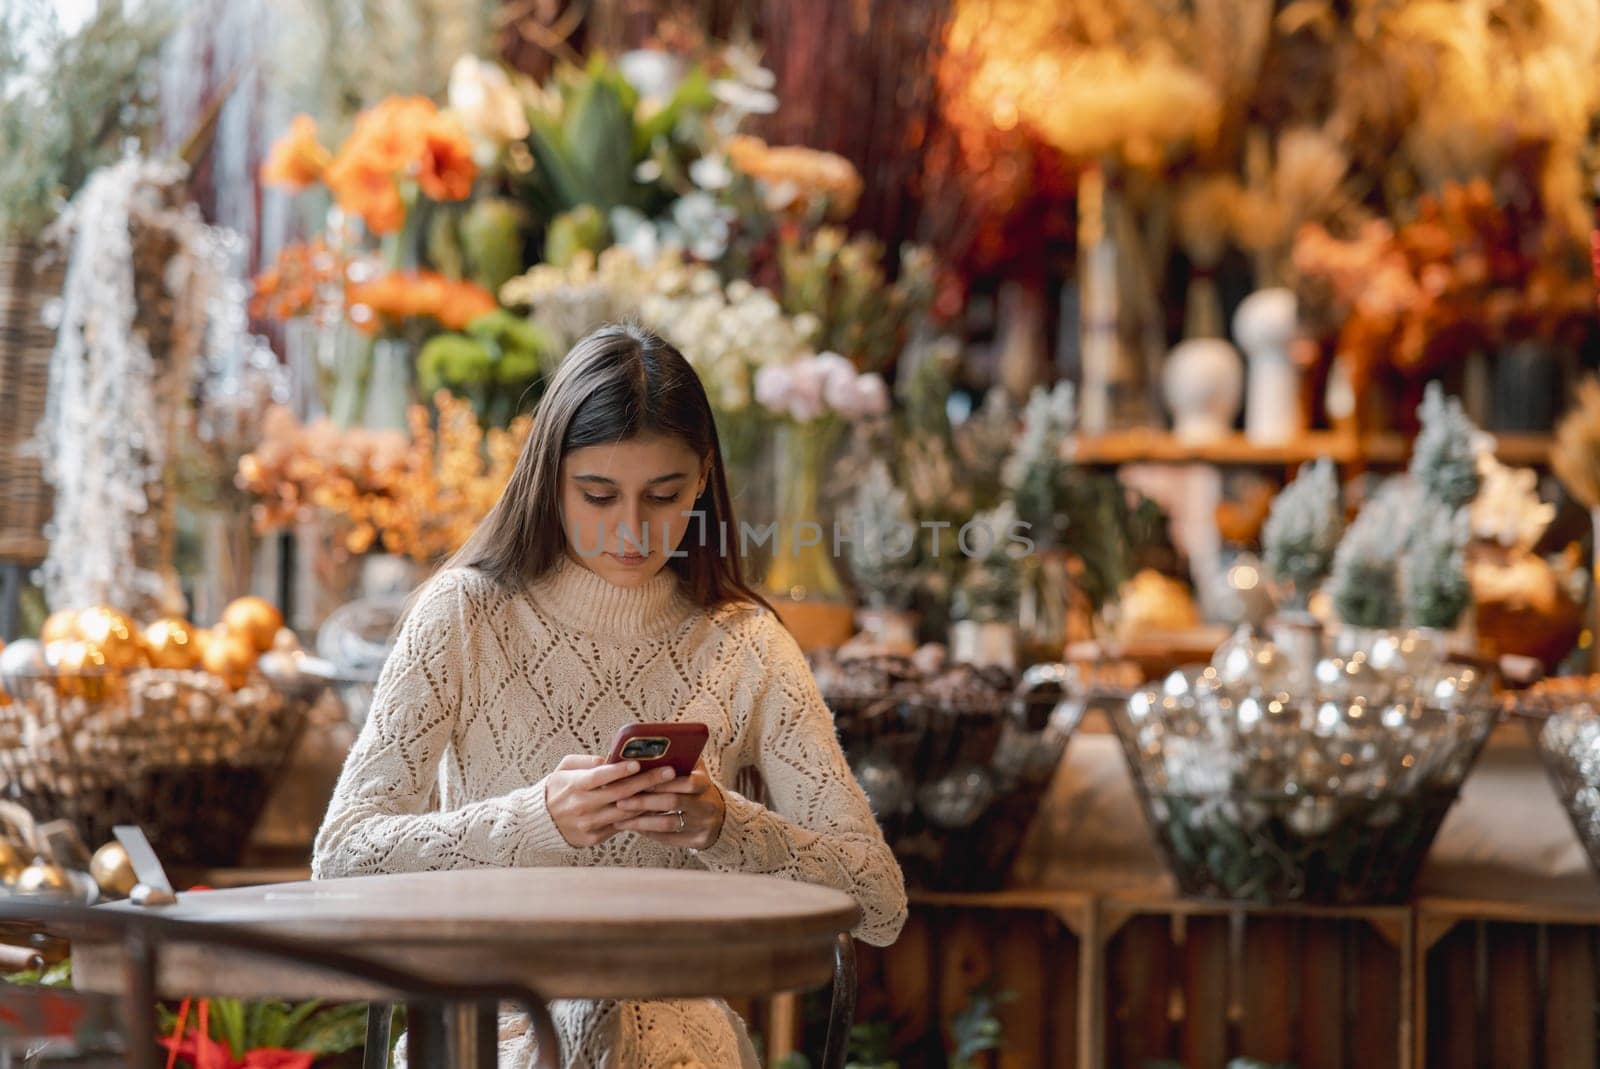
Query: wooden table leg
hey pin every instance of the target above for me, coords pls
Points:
(427, 1037)
(475, 1035)
(376, 1053)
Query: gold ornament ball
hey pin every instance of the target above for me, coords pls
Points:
(79, 667)
(112, 871)
(229, 657)
(41, 878)
(171, 643)
(11, 863)
(59, 626)
(113, 634)
(254, 619)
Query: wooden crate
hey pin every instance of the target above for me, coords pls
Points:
(1029, 943)
(1507, 984)
(1200, 983)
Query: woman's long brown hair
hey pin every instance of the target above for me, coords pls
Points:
(619, 382)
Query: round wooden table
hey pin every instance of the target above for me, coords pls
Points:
(561, 932)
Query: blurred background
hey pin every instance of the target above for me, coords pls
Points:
(1272, 321)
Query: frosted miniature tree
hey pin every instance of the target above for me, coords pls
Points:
(1365, 581)
(883, 533)
(1032, 473)
(1302, 530)
(1445, 459)
(1436, 587)
(988, 590)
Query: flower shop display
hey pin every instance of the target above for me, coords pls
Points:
(1307, 773)
(131, 331)
(179, 729)
(418, 496)
(57, 132)
(954, 759)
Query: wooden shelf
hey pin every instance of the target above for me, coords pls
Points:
(1149, 445)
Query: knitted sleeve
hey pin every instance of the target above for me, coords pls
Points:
(383, 816)
(820, 828)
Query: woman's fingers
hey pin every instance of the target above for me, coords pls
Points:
(654, 779)
(660, 801)
(650, 825)
(575, 761)
(602, 774)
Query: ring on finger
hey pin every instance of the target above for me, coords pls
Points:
(682, 824)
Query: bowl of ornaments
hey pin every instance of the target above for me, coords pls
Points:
(178, 729)
(954, 758)
(1314, 770)
(1562, 716)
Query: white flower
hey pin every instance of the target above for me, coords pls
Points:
(744, 99)
(711, 173)
(482, 95)
(653, 73)
(838, 377)
(872, 395)
(772, 387)
(705, 225)
(647, 171)
(806, 381)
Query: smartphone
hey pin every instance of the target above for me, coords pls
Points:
(654, 745)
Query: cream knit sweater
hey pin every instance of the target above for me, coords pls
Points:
(488, 688)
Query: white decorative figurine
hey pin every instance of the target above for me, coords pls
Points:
(1264, 326)
(1204, 385)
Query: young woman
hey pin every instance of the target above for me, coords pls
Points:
(589, 598)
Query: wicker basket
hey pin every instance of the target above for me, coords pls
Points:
(26, 283)
(175, 752)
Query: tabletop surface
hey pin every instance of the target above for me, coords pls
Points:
(566, 932)
(528, 904)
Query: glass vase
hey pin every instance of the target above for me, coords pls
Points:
(802, 580)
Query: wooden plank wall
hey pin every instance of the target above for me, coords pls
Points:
(1200, 989)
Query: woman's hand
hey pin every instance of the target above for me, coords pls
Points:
(695, 796)
(584, 792)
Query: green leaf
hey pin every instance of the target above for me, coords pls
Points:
(291, 1024)
(335, 1030)
(693, 94)
(598, 133)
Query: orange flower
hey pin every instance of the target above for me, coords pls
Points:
(447, 167)
(296, 160)
(391, 135)
(464, 302)
(364, 188)
(289, 287)
(421, 294)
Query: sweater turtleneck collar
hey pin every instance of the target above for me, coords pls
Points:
(585, 601)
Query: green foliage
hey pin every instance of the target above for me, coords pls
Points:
(491, 239)
(579, 229)
(57, 975)
(976, 1029)
(312, 1026)
(1109, 528)
(845, 285)
(498, 364)
(589, 138)
(70, 103)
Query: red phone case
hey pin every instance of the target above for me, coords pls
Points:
(684, 742)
